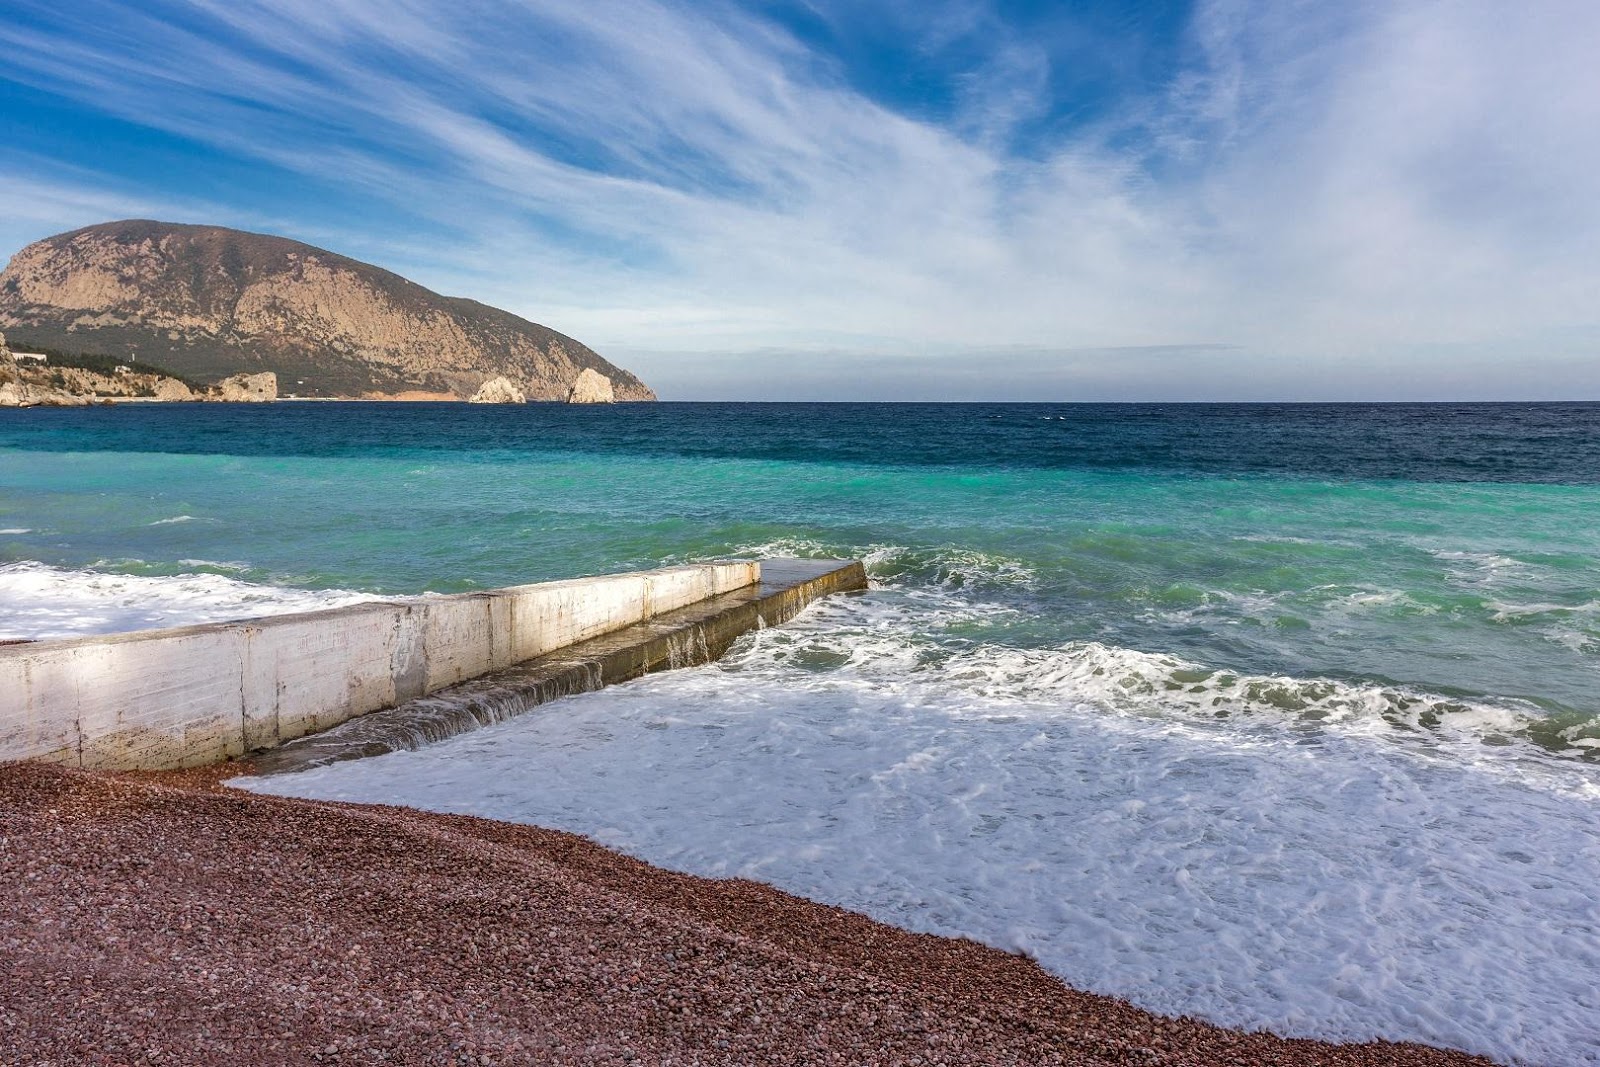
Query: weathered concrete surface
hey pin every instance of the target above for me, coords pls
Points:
(695, 634)
(190, 696)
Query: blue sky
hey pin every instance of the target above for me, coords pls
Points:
(882, 199)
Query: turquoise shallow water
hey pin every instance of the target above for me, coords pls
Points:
(1452, 549)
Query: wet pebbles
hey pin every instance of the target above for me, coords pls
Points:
(160, 919)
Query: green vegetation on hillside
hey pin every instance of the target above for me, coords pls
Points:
(94, 361)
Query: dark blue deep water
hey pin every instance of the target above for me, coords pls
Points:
(1550, 443)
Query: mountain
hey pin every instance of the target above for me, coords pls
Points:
(209, 302)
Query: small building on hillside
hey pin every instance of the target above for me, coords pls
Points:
(32, 357)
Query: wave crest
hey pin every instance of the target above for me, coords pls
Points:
(41, 602)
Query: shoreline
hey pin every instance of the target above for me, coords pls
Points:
(168, 918)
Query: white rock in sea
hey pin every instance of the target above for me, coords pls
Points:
(591, 387)
(247, 388)
(501, 390)
(172, 389)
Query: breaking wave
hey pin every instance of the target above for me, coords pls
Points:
(1251, 849)
(39, 602)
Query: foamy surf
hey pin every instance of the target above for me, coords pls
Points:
(948, 567)
(39, 602)
(1320, 858)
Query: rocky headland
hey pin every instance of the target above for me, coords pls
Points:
(30, 383)
(210, 303)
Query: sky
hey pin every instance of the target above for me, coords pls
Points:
(882, 199)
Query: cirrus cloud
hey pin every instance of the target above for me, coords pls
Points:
(1309, 200)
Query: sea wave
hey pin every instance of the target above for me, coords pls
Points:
(942, 566)
(899, 646)
(1238, 847)
(1507, 612)
(38, 601)
(1483, 569)
(934, 602)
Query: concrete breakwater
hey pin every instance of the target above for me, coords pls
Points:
(195, 695)
(698, 633)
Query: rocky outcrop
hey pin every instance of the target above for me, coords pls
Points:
(498, 391)
(54, 384)
(26, 395)
(247, 388)
(592, 387)
(127, 385)
(170, 389)
(208, 303)
(17, 391)
(23, 394)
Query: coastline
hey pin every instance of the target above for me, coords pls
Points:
(119, 401)
(167, 918)
(1073, 803)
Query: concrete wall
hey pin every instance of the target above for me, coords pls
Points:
(199, 694)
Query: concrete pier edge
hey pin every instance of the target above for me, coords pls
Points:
(197, 695)
(697, 634)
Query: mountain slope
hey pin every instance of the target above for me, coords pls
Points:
(208, 302)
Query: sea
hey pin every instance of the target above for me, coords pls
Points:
(1283, 716)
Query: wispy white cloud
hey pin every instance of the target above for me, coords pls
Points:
(1415, 174)
(42, 197)
(1340, 186)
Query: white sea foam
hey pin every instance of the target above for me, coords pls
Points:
(1141, 683)
(40, 602)
(1505, 612)
(1482, 568)
(1321, 606)
(215, 565)
(1366, 598)
(1575, 640)
(1487, 560)
(174, 520)
(949, 566)
(1572, 626)
(1289, 539)
(1255, 850)
(17, 530)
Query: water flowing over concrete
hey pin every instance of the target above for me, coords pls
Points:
(686, 637)
(196, 695)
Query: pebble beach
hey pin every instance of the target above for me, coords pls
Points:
(167, 919)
